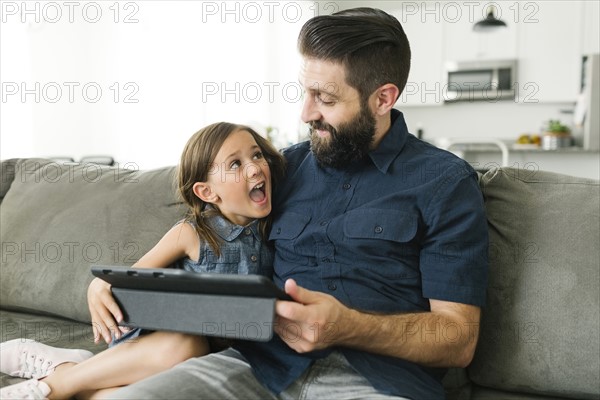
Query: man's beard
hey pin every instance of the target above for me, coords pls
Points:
(350, 142)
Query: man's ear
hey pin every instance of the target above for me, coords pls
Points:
(205, 193)
(387, 95)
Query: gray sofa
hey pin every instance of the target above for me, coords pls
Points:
(540, 329)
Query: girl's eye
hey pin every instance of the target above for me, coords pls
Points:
(235, 164)
(258, 155)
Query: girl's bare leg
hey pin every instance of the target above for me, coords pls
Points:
(99, 394)
(124, 364)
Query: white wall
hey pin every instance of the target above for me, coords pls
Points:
(166, 59)
(164, 69)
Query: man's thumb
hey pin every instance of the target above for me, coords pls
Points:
(298, 293)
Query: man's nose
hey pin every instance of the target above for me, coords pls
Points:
(310, 111)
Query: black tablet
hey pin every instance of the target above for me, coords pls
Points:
(181, 281)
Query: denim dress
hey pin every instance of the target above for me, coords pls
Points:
(242, 251)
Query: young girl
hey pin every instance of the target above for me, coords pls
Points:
(225, 177)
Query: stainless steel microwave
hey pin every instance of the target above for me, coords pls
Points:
(486, 80)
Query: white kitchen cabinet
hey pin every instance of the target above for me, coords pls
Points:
(549, 52)
(461, 43)
(547, 38)
(591, 32)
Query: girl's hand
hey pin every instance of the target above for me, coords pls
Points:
(104, 311)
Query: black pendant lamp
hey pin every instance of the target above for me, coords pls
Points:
(490, 23)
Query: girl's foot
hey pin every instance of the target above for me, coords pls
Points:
(26, 358)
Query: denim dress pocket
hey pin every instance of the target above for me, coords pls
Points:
(226, 263)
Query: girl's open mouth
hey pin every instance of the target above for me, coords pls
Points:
(257, 193)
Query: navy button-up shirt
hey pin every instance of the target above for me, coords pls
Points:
(384, 235)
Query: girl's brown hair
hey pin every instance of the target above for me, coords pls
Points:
(197, 162)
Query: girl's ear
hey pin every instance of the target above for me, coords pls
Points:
(205, 193)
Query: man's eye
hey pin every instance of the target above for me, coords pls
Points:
(321, 100)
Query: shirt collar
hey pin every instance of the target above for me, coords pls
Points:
(392, 143)
(229, 231)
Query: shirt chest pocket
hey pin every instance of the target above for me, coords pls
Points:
(288, 226)
(392, 225)
(286, 232)
(382, 242)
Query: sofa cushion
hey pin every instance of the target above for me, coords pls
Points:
(7, 175)
(540, 327)
(58, 219)
(492, 394)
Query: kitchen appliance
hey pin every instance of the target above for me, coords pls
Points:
(485, 80)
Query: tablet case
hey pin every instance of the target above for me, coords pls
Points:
(230, 306)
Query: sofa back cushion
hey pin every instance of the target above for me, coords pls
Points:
(540, 327)
(58, 219)
(7, 176)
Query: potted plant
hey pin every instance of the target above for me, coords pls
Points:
(556, 135)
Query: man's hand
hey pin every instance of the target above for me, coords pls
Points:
(104, 311)
(445, 336)
(311, 323)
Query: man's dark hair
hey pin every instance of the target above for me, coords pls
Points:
(369, 43)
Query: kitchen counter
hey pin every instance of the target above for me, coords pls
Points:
(574, 161)
(487, 148)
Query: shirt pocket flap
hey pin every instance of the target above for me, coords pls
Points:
(288, 226)
(397, 226)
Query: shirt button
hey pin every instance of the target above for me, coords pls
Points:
(378, 229)
(247, 232)
(278, 230)
(332, 286)
(325, 259)
(323, 223)
(253, 258)
(347, 186)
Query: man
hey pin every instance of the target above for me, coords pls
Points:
(380, 239)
